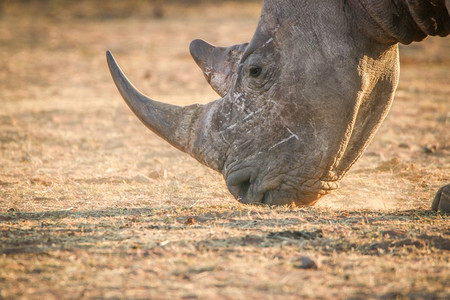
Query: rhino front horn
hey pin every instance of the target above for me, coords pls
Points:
(175, 124)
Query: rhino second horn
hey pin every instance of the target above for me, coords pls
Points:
(200, 52)
(173, 123)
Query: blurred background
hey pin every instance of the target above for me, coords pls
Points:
(65, 132)
(98, 8)
(67, 28)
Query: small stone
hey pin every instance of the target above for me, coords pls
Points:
(26, 158)
(393, 234)
(304, 262)
(190, 221)
(112, 144)
(141, 179)
(430, 149)
(154, 175)
(40, 180)
(147, 75)
(404, 146)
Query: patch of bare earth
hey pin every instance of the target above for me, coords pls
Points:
(93, 205)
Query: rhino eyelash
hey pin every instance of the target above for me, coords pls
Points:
(255, 72)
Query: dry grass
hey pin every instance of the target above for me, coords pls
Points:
(92, 205)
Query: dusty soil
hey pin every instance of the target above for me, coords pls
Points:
(93, 205)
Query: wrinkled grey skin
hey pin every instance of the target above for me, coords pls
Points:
(301, 101)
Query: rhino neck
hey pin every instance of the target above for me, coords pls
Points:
(379, 80)
(357, 79)
(370, 75)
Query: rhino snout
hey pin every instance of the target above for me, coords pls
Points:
(247, 187)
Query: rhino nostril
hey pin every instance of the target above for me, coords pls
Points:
(243, 191)
(240, 190)
(239, 184)
(267, 198)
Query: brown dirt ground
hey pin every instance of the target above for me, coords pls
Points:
(93, 205)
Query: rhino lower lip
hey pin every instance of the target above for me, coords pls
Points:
(244, 186)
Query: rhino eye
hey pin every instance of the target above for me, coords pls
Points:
(255, 71)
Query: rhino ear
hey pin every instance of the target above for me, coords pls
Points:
(432, 18)
(218, 64)
(407, 21)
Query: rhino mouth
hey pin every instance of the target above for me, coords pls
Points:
(245, 186)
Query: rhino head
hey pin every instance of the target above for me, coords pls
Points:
(300, 102)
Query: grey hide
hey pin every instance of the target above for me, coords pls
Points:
(301, 101)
